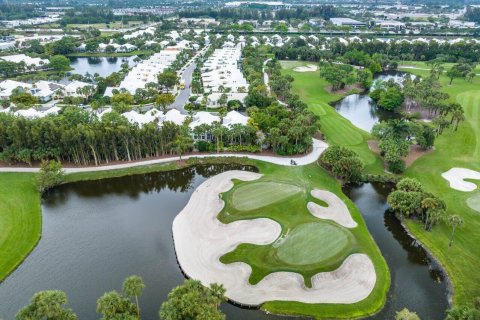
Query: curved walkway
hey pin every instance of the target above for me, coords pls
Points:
(201, 239)
(318, 148)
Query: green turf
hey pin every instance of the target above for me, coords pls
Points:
(454, 149)
(259, 194)
(300, 229)
(336, 129)
(314, 242)
(20, 226)
(20, 219)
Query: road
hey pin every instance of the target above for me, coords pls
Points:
(182, 97)
(317, 149)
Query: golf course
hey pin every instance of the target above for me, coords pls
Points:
(459, 148)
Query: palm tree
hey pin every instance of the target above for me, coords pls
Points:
(133, 287)
(454, 221)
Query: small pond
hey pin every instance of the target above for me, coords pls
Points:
(104, 66)
(96, 233)
(360, 108)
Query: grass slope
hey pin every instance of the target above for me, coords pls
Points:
(454, 149)
(20, 219)
(301, 247)
(337, 130)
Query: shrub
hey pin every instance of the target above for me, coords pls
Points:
(50, 175)
(343, 163)
(241, 148)
(396, 166)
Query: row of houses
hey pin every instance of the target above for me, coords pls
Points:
(30, 63)
(43, 90)
(221, 74)
(146, 71)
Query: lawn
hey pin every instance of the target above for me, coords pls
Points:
(20, 219)
(454, 149)
(424, 65)
(308, 245)
(336, 129)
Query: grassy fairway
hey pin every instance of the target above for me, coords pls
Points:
(337, 130)
(20, 219)
(454, 149)
(307, 245)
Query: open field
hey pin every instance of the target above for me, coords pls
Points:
(20, 219)
(454, 149)
(337, 130)
(424, 65)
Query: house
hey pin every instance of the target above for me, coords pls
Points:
(74, 87)
(46, 90)
(8, 86)
(34, 63)
(347, 22)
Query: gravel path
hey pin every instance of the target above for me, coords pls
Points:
(318, 147)
(200, 240)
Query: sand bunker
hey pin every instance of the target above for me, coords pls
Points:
(307, 68)
(200, 241)
(474, 202)
(336, 211)
(456, 177)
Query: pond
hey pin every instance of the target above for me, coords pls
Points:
(104, 66)
(362, 111)
(96, 233)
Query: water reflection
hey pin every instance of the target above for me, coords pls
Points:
(104, 66)
(417, 281)
(362, 111)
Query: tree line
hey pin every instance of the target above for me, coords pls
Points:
(191, 300)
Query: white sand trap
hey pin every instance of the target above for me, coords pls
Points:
(307, 68)
(200, 240)
(456, 176)
(336, 211)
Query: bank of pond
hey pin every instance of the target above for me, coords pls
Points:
(96, 233)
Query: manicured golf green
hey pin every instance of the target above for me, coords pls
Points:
(474, 202)
(259, 194)
(336, 129)
(454, 149)
(313, 242)
(307, 245)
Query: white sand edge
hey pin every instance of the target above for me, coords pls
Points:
(318, 147)
(336, 211)
(307, 68)
(201, 239)
(456, 176)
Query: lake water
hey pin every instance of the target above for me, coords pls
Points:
(362, 111)
(104, 66)
(96, 233)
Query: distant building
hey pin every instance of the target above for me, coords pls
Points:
(343, 22)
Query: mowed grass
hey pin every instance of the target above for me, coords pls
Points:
(336, 129)
(20, 219)
(255, 195)
(307, 245)
(454, 149)
(313, 242)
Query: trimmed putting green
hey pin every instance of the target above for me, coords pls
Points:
(474, 202)
(315, 242)
(255, 195)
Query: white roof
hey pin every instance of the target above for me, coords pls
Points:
(72, 87)
(7, 86)
(17, 58)
(174, 116)
(234, 117)
(28, 113)
(203, 117)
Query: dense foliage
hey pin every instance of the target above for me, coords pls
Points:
(343, 163)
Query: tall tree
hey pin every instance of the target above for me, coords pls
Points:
(133, 287)
(454, 221)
